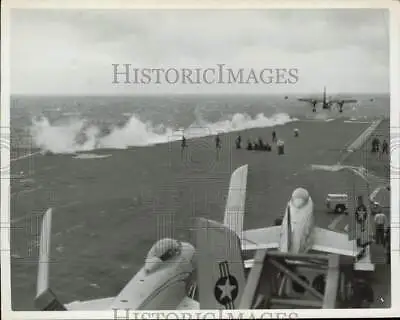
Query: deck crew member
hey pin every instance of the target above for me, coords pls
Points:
(281, 147)
(249, 145)
(387, 244)
(361, 211)
(183, 144)
(217, 142)
(238, 142)
(255, 145)
(385, 147)
(387, 236)
(375, 144)
(363, 295)
(296, 132)
(380, 222)
(274, 139)
(260, 144)
(361, 216)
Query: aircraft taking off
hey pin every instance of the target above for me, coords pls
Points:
(327, 103)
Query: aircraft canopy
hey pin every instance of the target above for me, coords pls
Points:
(165, 249)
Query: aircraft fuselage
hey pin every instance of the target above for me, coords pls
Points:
(298, 223)
(164, 287)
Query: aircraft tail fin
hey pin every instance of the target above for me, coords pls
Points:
(235, 203)
(45, 299)
(220, 267)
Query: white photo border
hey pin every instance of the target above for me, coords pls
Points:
(392, 6)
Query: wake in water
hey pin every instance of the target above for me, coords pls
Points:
(76, 135)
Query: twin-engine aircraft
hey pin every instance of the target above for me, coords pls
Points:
(327, 103)
(217, 261)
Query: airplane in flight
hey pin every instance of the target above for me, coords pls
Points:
(327, 103)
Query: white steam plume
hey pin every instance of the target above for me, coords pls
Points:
(77, 135)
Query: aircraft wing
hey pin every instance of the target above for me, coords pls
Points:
(45, 297)
(310, 100)
(343, 101)
(349, 100)
(235, 203)
(334, 242)
(262, 238)
(97, 304)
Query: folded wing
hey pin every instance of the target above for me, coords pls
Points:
(334, 242)
(46, 299)
(262, 238)
(235, 203)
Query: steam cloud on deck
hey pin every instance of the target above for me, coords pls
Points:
(76, 135)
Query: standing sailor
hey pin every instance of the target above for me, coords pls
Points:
(183, 145)
(249, 145)
(281, 147)
(385, 147)
(387, 244)
(274, 139)
(380, 223)
(238, 142)
(361, 216)
(217, 144)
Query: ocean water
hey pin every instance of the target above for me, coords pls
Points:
(69, 124)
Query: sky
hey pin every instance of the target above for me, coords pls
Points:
(73, 51)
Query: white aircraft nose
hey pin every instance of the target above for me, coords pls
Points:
(300, 197)
(300, 193)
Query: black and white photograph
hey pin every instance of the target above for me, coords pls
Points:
(200, 159)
